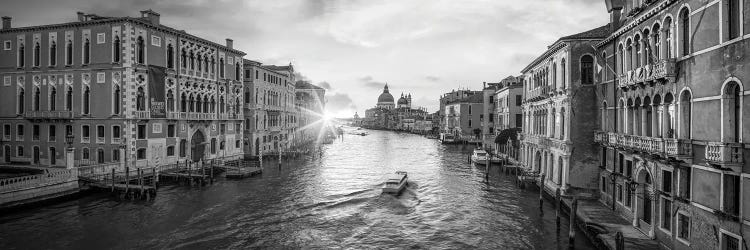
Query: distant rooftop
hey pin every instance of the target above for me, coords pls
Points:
(305, 85)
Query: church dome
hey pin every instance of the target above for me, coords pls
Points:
(385, 97)
(402, 100)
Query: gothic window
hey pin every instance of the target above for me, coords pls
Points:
(170, 56)
(184, 58)
(52, 99)
(221, 67)
(21, 55)
(183, 148)
(37, 54)
(237, 71)
(198, 104)
(53, 53)
(86, 100)
(657, 42)
(685, 31)
(563, 76)
(221, 105)
(198, 62)
(637, 52)
(140, 50)
(685, 114)
(35, 99)
(21, 101)
(587, 70)
(170, 101)
(213, 65)
(668, 37)
(183, 105)
(205, 104)
(562, 124)
(69, 99)
(69, 52)
(205, 63)
(116, 49)
(732, 108)
(116, 100)
(192, 60)
(86, 51)
(191, 103)
(140, 102)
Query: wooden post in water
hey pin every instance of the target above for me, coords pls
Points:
(557, 208)
(203, 172)
(190, 175)
(155, 179)
(541, 193)
(140, 180)
(572, 232)
(127, 179)
(212, 171)
(113, 180)
(619, 241)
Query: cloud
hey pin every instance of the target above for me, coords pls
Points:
(340, 103)
(369, 82)
(324, 85)
(432, 78)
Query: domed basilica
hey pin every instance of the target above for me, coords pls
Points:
(385, 100)
(388, 114)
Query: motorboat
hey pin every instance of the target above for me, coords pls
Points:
(479, 156)
(447, 138)
(395, 183)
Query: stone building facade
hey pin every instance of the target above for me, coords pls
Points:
(125, 88)
(270, 108)
(559, 92)
(463, 118)
(507, 112)
(672, 111)
(311, 104)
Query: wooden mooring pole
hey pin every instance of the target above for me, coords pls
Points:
(113, 180)
(541, 193)
(557, 208)
(127, 180)
(572, 232)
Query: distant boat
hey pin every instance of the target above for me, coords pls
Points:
(395, 183)
(432, 136)
(447, 138)
(479, 156)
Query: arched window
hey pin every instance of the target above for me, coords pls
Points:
(116, 100)
(685, 31)
(69, 52)
(587, 70)
(198, 104)
(669, 115)
(221, 105)
(183, 148)
(554, 76)
(205, 64)
(170, 101)
(184, 58)
(685, 114)
(603, 75)
(86, 100)
(205, 104)
(21, 101)
(656, 30)
(563, 77)
(221, 67)
(604, 117)
(648, 57)
(732, 112)
(237, 71)
(183, 105)
(554, 124)
(21, 55)
(69, 99)
(35, 99)
(213, 145)
(629, 55)
(52, 98)
(140, 99)
(170, 56)
(198, 62)
(562, 124)
(37, 54)
(213, 65)
(191, 103)
(116, 49)
(140, 50)
(53, 53)
(192, 60)
(86, 51)
(213, 105)
(637, 53)
(668, 37)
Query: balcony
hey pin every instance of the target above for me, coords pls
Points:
(643, 144)
(48, 114)
(660, 70)
(601, 137)
(725, 154)
(142, 114)
(538, 93)
(678, 148)
(191, 116)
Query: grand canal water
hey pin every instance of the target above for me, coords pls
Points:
(329, 202)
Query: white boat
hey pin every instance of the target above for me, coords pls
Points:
(395, 183)
(447, 138)
(479, 156)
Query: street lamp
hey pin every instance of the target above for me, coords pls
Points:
(613, 180)
(69, 158)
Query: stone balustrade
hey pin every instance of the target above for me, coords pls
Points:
(142, 114)
(722, 153)
(678, 148)
(659, 70)
(51, 177)
(46, 114)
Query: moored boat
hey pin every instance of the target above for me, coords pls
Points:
(395, 183)
(479, 156)
(447, 138)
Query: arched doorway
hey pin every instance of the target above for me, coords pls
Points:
(645, 208)
(197, 146)
(257, 146)
(36, 155)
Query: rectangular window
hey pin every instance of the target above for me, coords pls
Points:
(19, 151)
(666, 181)
(223, 128)
(629, 168)
(116, 155)
(141, 154)
(141, 131)
(7, 45)
(683, 185)
(19, 132)
(156, 41)
(116, 132)
(6, 132)
(100, 38)
(604, 184)
(683, 227)
(35, 132)
(666, 214)
(170, 151)
(52, 133)
(628, 198)
(170, 130)
(519, 100)
(619, 193)
(100, 132)
(729, 242)
(731, 193)
(85, 132)
(732, 21)
(519, 120)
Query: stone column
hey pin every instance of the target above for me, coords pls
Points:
(69, 158)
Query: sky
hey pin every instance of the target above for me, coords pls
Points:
(353, 47)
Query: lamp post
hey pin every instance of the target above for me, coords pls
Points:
(613, 180)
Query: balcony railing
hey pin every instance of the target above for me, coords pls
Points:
(539, 93)
(678, 148)
(660, 70)
(723, 153)
(39, 114)
(645, 144)
(142, 114)
(191, 116)
(601, 137)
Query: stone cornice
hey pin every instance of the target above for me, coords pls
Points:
(637, 20)
(552, 49)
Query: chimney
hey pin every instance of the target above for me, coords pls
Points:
(614, 7)
(6, 22)
(151, 15)
(230, 43)
(80, 16)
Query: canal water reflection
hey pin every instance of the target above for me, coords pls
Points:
(329, 202)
